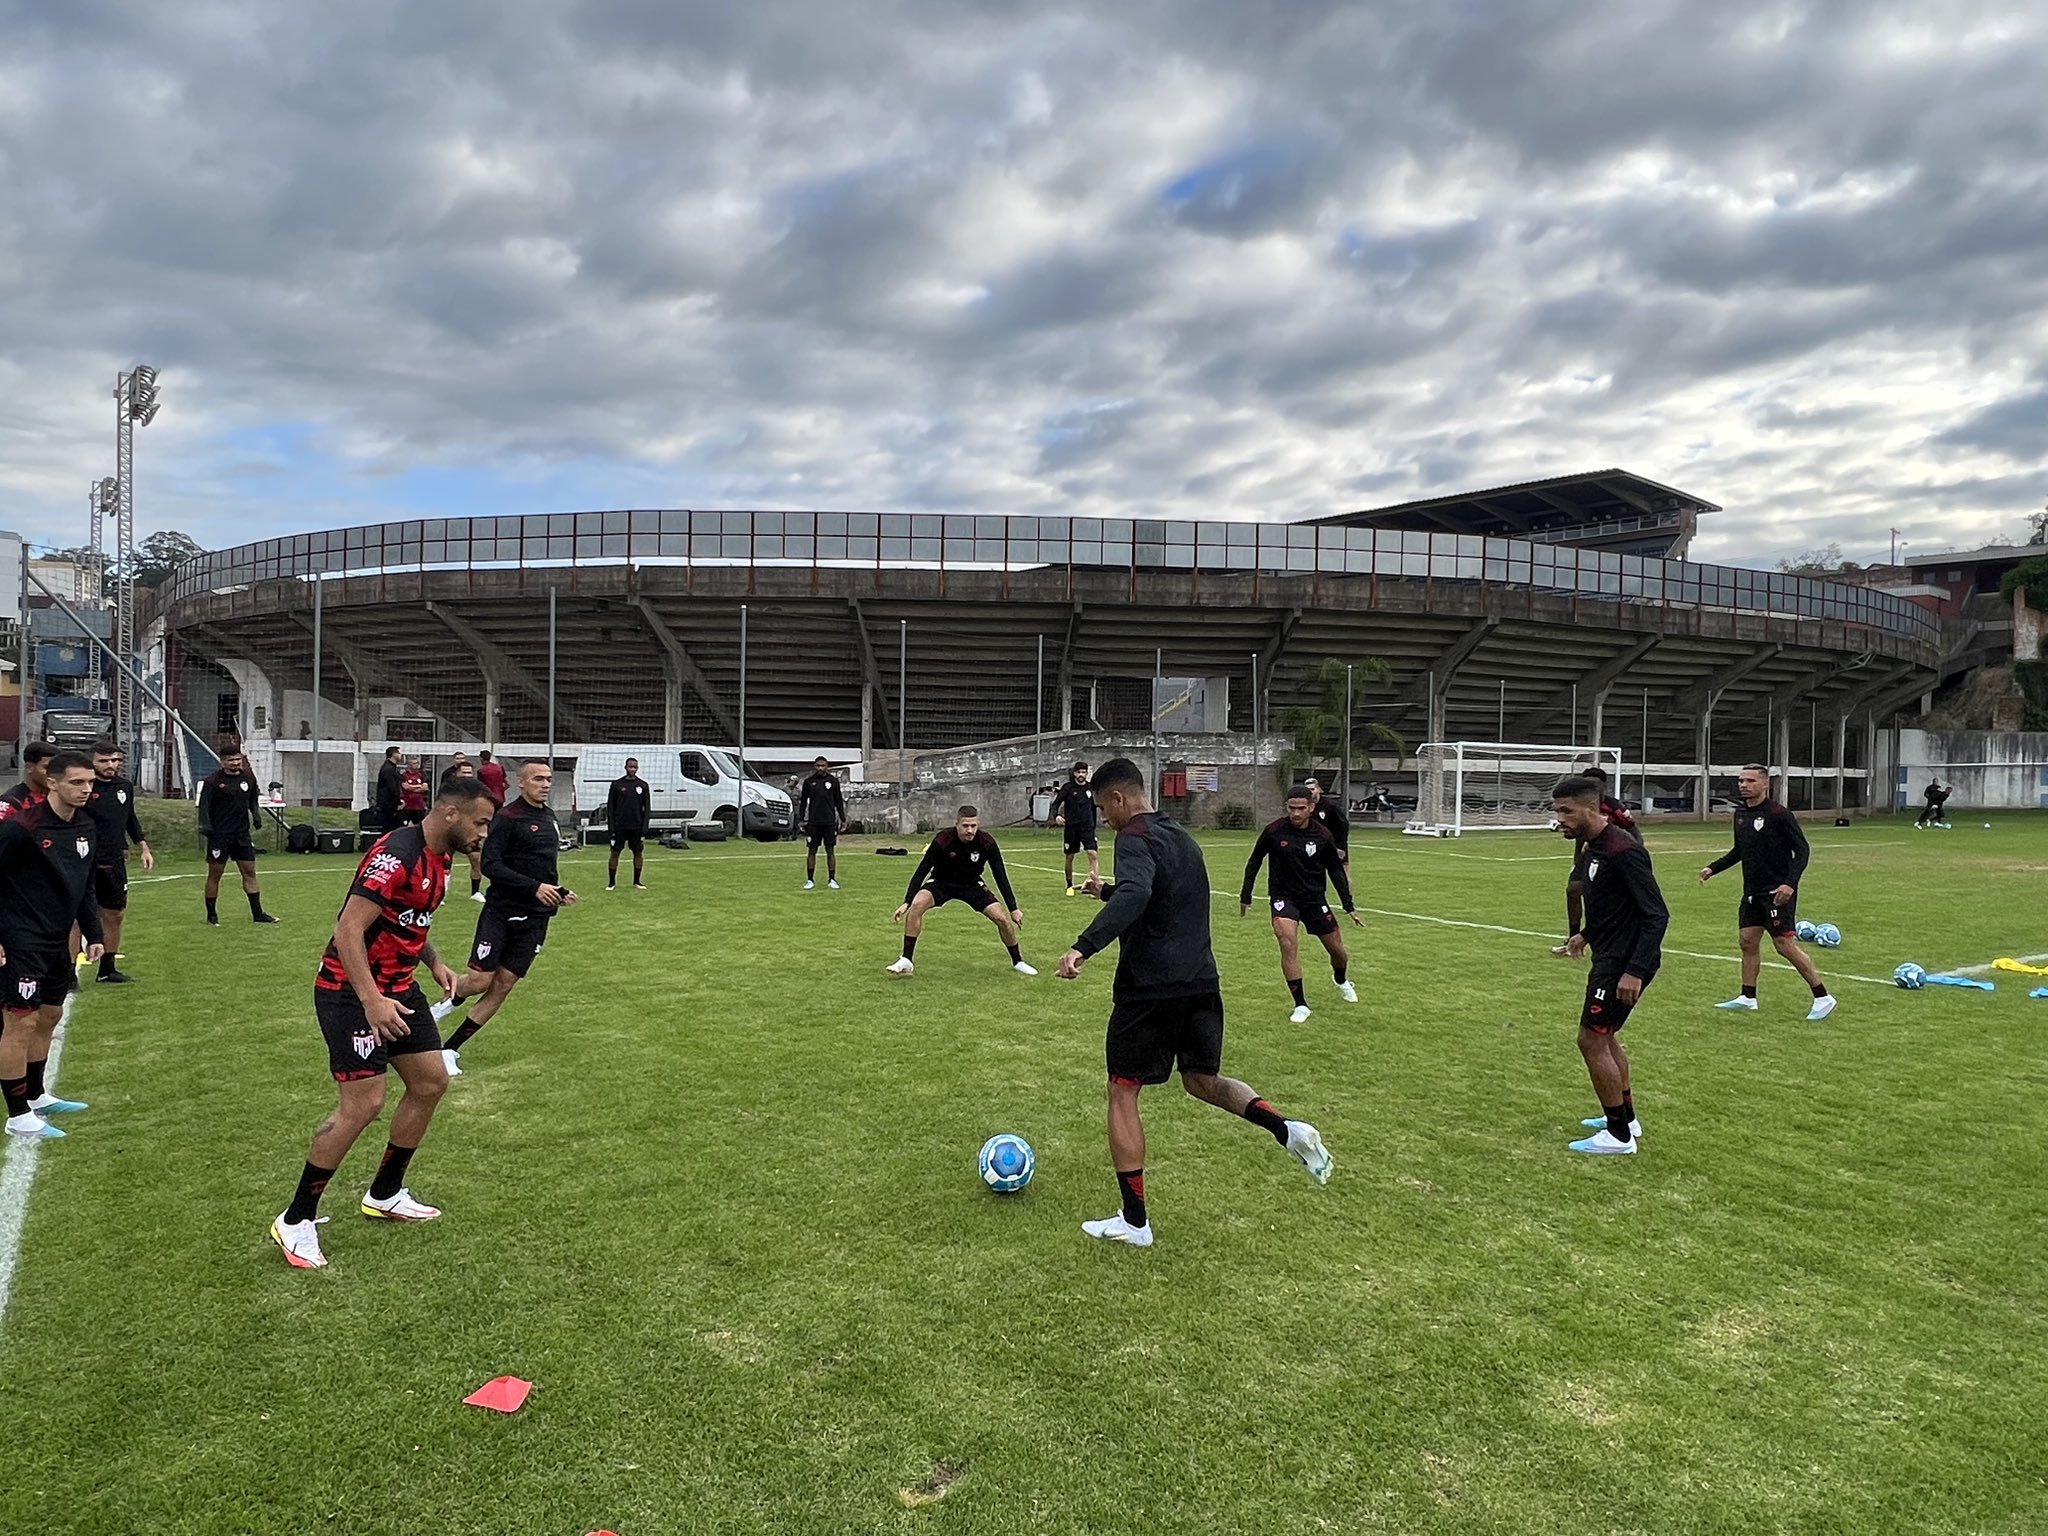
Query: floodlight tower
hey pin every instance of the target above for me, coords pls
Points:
(135, 402)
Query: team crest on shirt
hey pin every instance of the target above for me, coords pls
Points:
(974, 858)
(1592, 868)
(483, 950)
(1279, 906)
(1758, 824)
(365, 1045)
(121, 796)
(1309, 848)
(84, 846)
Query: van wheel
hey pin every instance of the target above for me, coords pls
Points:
(728, 817)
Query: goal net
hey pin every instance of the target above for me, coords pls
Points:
(1466, 786)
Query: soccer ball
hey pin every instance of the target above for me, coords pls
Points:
(1805, 930)
(1828, 936)
(1006, 1163)
(1910, 976)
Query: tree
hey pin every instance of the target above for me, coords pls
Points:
(1824, 561)
(1318, 729)
(160, 553)
(2031, 577)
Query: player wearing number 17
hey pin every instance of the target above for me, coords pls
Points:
(374, 1015)
(1625, 919)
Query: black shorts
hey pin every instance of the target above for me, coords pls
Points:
(1759, 911)
(508, 939)
(353, 1050)
(110, 886)
(1604, 1012)
(821, 837)
(1147, 1039)
(29, 982)
(1076, 841)
(633, 840)
(1318, 920)
(979, 897)
(242, 852)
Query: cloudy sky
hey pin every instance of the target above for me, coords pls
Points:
(1208, 257)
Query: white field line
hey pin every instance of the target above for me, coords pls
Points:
(19, 1172)
(1530, 933)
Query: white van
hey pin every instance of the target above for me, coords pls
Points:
(686, 782)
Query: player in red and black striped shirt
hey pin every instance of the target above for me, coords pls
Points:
(374, 1015)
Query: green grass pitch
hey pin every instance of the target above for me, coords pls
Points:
(709, 1182)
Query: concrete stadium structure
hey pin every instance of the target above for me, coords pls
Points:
(1555, 611)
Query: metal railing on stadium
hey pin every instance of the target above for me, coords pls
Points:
(979, 542)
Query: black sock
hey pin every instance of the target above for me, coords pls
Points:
(34, 1080)
(909, 945)
(1628, 1102)
(391, 1172)
(1339, 971)
(212, 910)
(475, 884)
(464, 1033)
(1617, 1121)
(255, 904)
(1749, 992)
(15, 1090)
(1262, 1114)
(107, 963)
(1300, 997)
(306, 1201)
(1132, 1187)
(1819, 990)
(1016, 954)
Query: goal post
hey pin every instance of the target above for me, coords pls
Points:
(1471, 786)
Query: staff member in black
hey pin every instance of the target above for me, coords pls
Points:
(821, 812)
(1625, 919)
(390, 786)
(1074, 809)
(1304, 861)
(1332, 817)
(1168, 1008)
(1772, 850)
(958, 861)
(111, 809)
(521, 856)
(34, 787)
(46, 853)
(628, 808)
(229, 811)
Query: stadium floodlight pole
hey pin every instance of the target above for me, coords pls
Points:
(1158, 740)
(551, 679)
(902, 715)
(1258, 740)
(24, 679)
(318, 585)
(743, 707)
(1038, 719)
(1344, 778)
(135, 403)
(1643, 769)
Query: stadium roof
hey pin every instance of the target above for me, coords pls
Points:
(1602, 508)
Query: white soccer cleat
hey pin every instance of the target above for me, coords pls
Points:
(452, 1063)
(1348, 990)
(32, 1127)
(1114, 1229)
(1822, 1007)
(1738, 1005)
(441, 1010)
(477, 897)
(300, 1241)
(399, 1207)
(832, 885)
(1300, 1015)
(1025, 968)
(810, 885)
(902, 967)
(1602, 1144)
(1599, 1123)
(1306, 1143)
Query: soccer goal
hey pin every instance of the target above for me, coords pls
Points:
(1470, 786)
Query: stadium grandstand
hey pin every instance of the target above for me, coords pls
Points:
(1557, 611)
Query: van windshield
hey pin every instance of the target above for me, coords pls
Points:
(729, 766)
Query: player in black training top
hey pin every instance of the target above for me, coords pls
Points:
(1625, 919)
(1303, 861)
(1168, 1003)
(111, 810)
(628, 810)
(34, 787)
(1936, 812)
(521, 858)
(46, 853)
(230, 807)
(959, 861)
(1772, 850)
(1331, 816)
(821, 812)
(373, 1013)
(1575, 883)
(1073, 808)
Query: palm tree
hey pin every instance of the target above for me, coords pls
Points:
(1318, 729)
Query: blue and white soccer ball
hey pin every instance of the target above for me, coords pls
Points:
(1910, 976)
(1805, 930)
(1007, 1163)
(1828, 936)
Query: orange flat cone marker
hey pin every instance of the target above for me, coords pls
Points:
(502, 1393)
